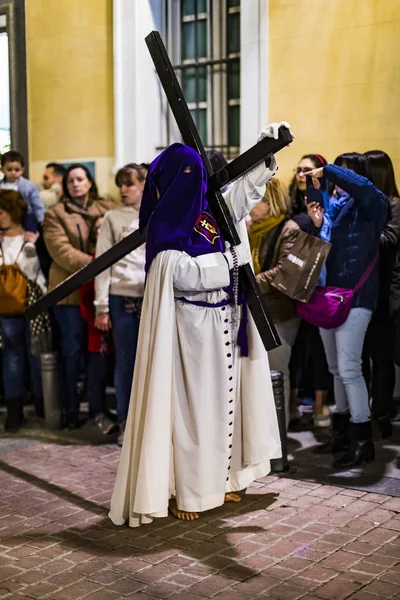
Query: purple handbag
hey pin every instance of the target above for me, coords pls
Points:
(329, 307)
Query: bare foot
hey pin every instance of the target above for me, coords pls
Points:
(231, 497)
(181, 514)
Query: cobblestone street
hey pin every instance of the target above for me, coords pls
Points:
(287, 539)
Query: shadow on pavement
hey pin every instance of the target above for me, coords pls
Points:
(149, 544)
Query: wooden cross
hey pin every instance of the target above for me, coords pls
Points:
(238, 167)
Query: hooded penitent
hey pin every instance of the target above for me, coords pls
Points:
(174, 206)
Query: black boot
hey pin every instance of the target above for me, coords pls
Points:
(339, 441)
(361, 447)
(14, 414)
(385, 426)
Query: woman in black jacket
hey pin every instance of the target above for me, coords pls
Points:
(353, 223)
(380, 338)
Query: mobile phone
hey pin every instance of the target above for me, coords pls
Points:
(312, 194)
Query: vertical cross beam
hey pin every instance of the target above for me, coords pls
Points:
(216, 201)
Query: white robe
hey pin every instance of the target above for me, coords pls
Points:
(202, 419)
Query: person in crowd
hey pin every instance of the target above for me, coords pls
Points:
(16, 267)
(308, 354)
(217, 159)
(100, 350)
(202, 423)
(52, 184)
(70, 236)
(380, 338)
(297, 190)
(272, 235)
(13, 166)
(119, 289)
(353, 223)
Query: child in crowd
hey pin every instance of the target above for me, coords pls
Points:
(13, 166)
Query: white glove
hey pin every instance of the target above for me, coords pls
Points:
(242, 252)
(272, 131)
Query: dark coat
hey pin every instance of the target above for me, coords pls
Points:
(357, 222)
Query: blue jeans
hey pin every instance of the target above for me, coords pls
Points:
(72, 341)
(279, 358)
(17, 358)
(343, 348)
(125, 330)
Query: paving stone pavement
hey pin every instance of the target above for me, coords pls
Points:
(287, 539)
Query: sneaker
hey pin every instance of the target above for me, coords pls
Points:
(121, 434)
(29, 250)
(105, 424)
(324, 419)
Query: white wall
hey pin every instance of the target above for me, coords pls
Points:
(136, 88)
(5, 91)
(254, 32)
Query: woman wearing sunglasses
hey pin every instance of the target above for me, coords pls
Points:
(308, 355)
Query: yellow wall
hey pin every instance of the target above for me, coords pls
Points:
(335, 76)
(70, 84)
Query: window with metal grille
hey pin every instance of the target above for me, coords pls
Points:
(203, 42)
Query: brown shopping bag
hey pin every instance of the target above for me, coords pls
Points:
(300, 271)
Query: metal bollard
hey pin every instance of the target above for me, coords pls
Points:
(51, 388)
(280, 464)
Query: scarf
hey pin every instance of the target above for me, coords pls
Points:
(256, 235)
(91, 220)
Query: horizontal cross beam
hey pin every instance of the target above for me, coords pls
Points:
(78, 279)
(250, 159)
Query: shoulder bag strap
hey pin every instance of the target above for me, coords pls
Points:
(19, 253)
(17, 257)
(367, 273)
(271, 248)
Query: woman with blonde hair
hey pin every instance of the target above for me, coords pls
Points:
(272, 235)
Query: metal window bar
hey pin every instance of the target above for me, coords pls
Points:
(219, 69)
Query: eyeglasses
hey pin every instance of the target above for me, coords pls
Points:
(303, 170)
